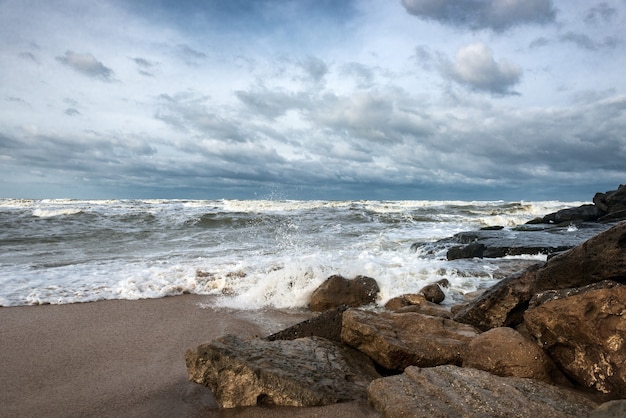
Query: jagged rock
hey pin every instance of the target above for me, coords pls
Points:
(398, 340)
(606, 206)
(599, 258)
(326, 325)
(433, 293)
(584, 213)
(302, 372)
(450, 391)
(338, 290)
(505, 352)
(585, 334)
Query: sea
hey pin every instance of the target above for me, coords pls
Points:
(248, 254)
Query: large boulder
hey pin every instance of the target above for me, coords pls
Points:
(338, 290)
(433, 293)
(585, 334)
(506, 352)
(398, 340)
(599, 258)
(450, 391)
(302, 372)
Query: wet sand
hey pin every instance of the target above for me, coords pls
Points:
(126, 359)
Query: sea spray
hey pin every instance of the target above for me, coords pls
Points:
(250, 253)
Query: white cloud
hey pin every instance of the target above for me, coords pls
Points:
(475, 66)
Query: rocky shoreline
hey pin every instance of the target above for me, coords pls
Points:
(548, 341)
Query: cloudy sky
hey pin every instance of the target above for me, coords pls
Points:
(312, 99)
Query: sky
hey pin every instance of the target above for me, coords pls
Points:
(312, 99)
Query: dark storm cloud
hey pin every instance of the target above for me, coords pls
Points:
(483, 14)
(476, 67)
(86, 64)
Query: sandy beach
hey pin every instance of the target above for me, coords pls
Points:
(123, 358)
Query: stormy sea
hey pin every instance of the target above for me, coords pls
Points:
(249, 254)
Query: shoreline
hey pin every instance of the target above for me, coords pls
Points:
(125, 358)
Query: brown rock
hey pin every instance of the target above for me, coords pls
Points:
(599, 258)
(337, 291)
(450, 391)
(398, 340)
(415, 302)
(585, 334)
(303, 372)
(433, 293)
(505, 352)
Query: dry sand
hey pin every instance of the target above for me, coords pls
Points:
(126, 359)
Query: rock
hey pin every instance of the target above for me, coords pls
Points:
(548, 295)
(337, 291)
(302, 372)
(585, 335)
(473, 250)
(433, 293)
(606, 206)
(599, 258)
(584, 213)
(326, 325)
(542, 239)
(408, 299)
(398, 340)
(501, 305)
(611, 409)
(415, 302)
(505, 352)
(450, 391)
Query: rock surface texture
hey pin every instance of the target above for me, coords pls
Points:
(450, 391)
(585, 334)
(338, 290)
(398, 340)
(303, 372)
(505, 352)
(602, 257)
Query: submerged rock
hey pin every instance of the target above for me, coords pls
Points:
(302, 372)
(450, 391)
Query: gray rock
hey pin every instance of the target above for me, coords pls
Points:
(302, 372)
(450, 391)
(433, 293)
(611, 409)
